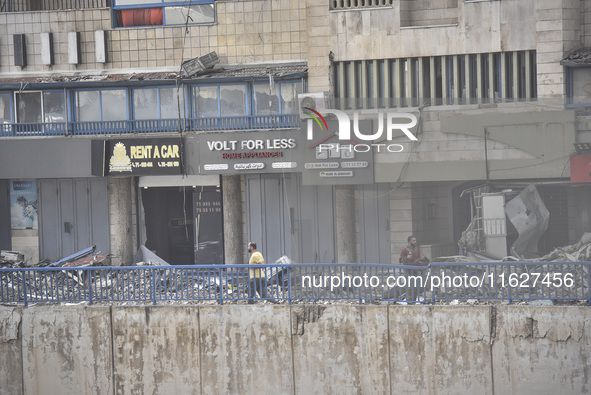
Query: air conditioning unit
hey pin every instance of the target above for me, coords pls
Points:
(315, 100)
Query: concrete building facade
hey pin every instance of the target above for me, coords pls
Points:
(115, 135)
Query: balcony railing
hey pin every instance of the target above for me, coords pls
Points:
(50, 5)
(258, 122)
(289, 283)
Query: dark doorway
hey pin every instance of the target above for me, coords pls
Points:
(184, 224)
(169, 223)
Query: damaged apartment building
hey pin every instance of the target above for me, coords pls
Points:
(194, 127)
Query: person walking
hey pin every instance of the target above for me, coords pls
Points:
(257, 279)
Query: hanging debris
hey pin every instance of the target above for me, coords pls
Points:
(530, 217)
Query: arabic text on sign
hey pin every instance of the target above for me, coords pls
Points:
(249, 166)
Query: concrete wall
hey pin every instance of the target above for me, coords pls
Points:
(312, 349)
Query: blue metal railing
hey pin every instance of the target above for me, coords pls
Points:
(149, 126)
(246, 122)
(510, 281)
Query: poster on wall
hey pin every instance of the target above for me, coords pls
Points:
(23, 204)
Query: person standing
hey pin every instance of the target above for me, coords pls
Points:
(411, 254)
(257, 279)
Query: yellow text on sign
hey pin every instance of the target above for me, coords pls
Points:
(154, 151)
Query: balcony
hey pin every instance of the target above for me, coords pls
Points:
(256, 122)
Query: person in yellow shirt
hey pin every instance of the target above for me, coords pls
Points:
(258, 281)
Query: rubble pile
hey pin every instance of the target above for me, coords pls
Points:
(579, 252)
(11, 259)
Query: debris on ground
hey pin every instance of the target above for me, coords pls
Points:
(145, 257)
(11, 259)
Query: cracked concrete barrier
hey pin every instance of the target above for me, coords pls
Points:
(246, 349)
(340, 349)
(156, 350)
(542, 350)
(11, 355)
(440, 350)
(67, 350)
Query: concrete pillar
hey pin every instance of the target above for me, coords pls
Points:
(345, 213)
(121, 217)
(232, 208)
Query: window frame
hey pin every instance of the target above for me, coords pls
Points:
(279, 85)
(570, 89)
(12, 110)
(247, 98)
(100, 90)
(179, 89)
(41, 92)
(163, 4)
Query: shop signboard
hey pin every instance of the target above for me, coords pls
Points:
(153, 156)
(249, 152)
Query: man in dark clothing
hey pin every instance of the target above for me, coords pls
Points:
(411, 256)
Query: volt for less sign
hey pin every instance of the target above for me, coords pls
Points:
(137, 157)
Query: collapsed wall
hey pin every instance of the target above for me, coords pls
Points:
(295, 349)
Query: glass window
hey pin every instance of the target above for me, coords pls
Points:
(289, 97)
(28, 107)
(266, 99)
(232, 100)
(206, 101)
(5, 110)
(101, 105)
(179, 15)
(88, 106)
(145, 103)
(114, 104)
(158, 103)
(54, 107)
(171, 100)
(581, 83)
(129, 13)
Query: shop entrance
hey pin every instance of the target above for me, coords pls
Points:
(183, 225)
